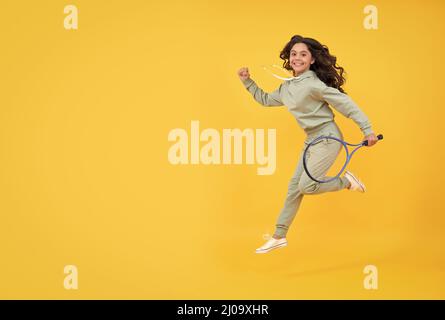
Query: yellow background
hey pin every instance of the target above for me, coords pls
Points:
(84, 175)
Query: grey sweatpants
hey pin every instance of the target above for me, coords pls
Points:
(322, 156)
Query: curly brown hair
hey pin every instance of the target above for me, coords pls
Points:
(325, 65)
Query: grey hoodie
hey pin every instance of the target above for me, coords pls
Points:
(308, 99)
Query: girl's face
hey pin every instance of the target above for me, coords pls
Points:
(300, 58)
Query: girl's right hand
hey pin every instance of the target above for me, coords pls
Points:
(243, 73)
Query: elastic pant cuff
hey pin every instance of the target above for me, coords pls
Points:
(280, 231)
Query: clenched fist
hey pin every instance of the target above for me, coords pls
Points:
(243, 73)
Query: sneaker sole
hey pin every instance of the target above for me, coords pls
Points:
(271, 248)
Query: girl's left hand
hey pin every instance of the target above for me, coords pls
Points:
(372, 139)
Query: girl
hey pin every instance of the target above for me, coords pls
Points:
(316, 84)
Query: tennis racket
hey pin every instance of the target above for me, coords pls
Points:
(340, 165)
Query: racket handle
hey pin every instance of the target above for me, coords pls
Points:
(380, 137)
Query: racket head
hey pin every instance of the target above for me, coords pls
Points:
(325, 158)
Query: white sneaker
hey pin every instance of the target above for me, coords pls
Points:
(272, 244)
(356, 184)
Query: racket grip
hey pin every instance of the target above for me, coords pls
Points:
(380, 137)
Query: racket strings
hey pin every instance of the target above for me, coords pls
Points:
(325, 159)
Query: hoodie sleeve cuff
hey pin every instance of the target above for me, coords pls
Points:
(367, 131)
(248, 82)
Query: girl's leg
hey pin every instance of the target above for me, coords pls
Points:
(292, 202)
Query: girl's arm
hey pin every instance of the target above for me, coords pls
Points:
(344, 104)
(264, 98)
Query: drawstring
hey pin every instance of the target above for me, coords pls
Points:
(278, 67)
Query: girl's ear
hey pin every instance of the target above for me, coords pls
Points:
(313, 60)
